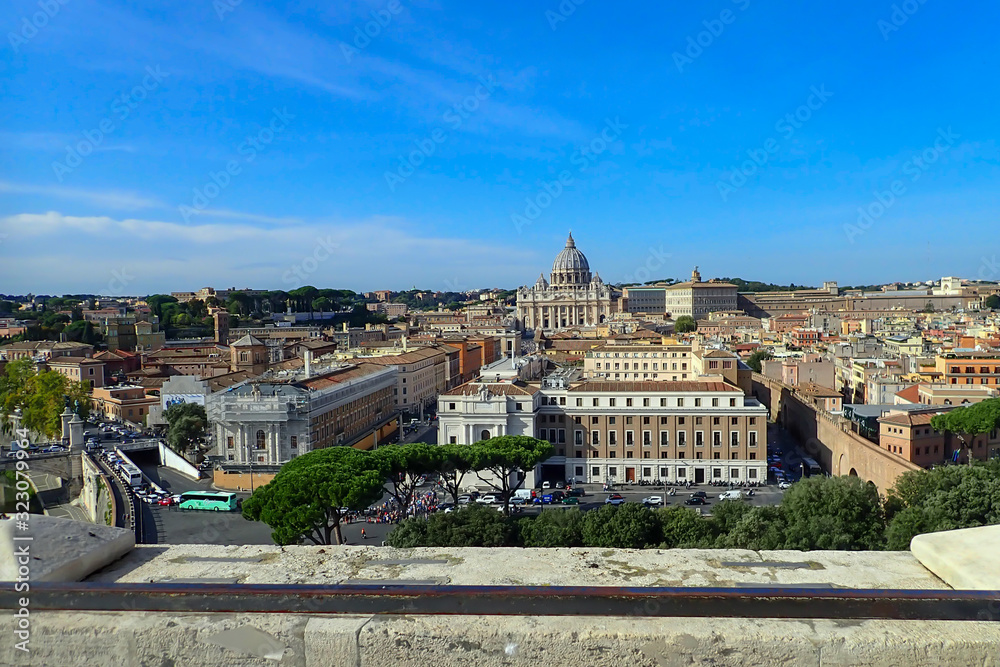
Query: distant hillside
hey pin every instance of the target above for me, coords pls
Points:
(757, 286)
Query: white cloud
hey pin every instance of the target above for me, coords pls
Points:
(55, 253)
(114, 199)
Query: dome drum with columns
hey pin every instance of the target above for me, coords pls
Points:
(572, 296)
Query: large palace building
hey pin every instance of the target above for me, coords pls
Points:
(571, 297)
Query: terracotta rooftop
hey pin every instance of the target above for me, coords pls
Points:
(818, 391)
(340, 376)
(910, 394)
(913, 418)
(496, 388)
(621, 386)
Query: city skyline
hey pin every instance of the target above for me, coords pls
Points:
(387, 144)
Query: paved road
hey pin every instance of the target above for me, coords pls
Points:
(169, 525)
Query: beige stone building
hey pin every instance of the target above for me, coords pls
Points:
(639, 362)
(79, 369)
(572, 297)
(618, 431)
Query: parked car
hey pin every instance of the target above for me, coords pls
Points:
(695, 501)
(518, 500)
(489, 499)
(699, 494)
(732, 494)
(546, 485)
(578, 492)
(464, 499)
(615, 499)
(570, 500)
(784, 484)
(547, 499)
(652, 501)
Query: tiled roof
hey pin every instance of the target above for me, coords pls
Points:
(818, 391)
(623, 386)
(496, 388)
(912, 419)
(246, 341)
(910, 394)
(74, 361)
(340, 376)
(408, 357)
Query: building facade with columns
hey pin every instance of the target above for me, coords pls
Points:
(271, 422)
(571, 297)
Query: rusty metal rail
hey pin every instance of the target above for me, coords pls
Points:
(398, 598)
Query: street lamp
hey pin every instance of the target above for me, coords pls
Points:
(250, 460)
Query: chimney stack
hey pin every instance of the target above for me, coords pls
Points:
(307, 357)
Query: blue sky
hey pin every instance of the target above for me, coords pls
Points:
(242, 143)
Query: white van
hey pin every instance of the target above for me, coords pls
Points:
(524, 494)
(732, 494)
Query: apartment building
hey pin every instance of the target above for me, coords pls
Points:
(87, 370)
(420, 376)
(606, 431)
(910, 435)
(44, 349)
(123, 403)
(969, 367)
(269, 423)
(639, 362)
(946, 394)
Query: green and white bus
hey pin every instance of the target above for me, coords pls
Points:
(208, 500)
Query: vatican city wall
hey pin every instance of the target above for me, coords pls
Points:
(827, 438)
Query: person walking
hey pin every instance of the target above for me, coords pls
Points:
(363, 536)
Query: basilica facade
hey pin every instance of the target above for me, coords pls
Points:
(571, 297)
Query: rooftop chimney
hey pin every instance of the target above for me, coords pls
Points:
(307, 357)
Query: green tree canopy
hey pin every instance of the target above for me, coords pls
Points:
(41, 397)
(626, 526)
(311, 494)
(943, 498)
(757, 358)
(186, 424)
(508, 458)
(992, 302)
(553, 528)
(685, 324)
(472, 526)
(404, 465)
(842, 513)
(682, 527)
(453, 463)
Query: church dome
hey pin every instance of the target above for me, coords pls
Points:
(570, 259)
